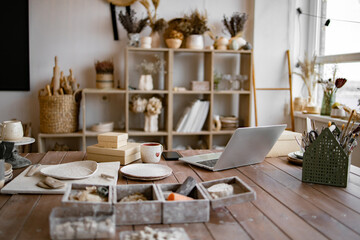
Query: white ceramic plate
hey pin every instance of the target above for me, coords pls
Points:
(146, 170)
(146, 178)
(73, 170)
(299, 154)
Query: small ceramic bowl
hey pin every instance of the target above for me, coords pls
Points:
(173, 43)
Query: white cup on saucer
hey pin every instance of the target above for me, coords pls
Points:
(151, 152)
(11, 130)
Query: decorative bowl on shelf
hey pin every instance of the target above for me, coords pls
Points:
(173, 42)
(103, 127)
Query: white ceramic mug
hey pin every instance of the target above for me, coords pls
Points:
(151, 152)
(11, 130)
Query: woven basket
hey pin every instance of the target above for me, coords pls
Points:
(59, 114)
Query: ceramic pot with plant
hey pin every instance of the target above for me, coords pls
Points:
(132, 25)
(193, 27)
(147, 69)
(156, 25)
(104, 74)
(235, 27)
(174, 39)
(330, 88)
(153, 109)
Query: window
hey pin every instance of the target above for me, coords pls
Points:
(339, 44)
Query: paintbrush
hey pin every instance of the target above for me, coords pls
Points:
(343, 134)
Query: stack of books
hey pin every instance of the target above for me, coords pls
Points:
(113, 147)
(194, 117)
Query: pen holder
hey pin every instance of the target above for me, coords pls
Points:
(325, 161)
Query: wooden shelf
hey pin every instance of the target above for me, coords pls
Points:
(173, 58)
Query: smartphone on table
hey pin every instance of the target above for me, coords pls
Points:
(171, 156)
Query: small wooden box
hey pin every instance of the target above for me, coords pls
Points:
(144, 212)
(197, 210)
(200, 86)
(112, 137)
(242, 192)
(72, 188)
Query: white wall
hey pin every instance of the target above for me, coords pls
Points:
(79, 32)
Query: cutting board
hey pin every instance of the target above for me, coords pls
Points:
(23, 184)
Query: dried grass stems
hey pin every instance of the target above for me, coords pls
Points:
(152, 67)
(195, 23)
(130, 22)
(106, 66)
(235, 25)
(157, 25)
(308, 73)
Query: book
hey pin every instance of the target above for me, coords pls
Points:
(124, 160)
(190, 121)
(201, 118)
(129, 149)
(182, 121)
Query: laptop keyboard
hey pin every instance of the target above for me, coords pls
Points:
(209, 163)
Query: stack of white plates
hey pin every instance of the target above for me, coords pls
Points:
(296, 157)
(228, 123)
(146, 171)
(8, 172)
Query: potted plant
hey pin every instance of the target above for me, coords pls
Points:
(147, 69)
(235, 26)
(104, 74)
(330, 88)
(132, 25)
(309, 75)
(193, 27)
(156, 25)
(174, 39)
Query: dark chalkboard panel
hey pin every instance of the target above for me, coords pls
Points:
(14, 70)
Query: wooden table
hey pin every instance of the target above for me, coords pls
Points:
(285, 208)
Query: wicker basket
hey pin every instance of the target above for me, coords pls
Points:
(59, 114)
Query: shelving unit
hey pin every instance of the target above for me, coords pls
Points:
(181, 67)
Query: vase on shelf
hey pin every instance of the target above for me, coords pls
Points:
(327, 102)
(151, 122)
(195, 41)
(134, 39)
(155, 39)
(146, 82)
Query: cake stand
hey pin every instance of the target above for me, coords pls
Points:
(9, 152)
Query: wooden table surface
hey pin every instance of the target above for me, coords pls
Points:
(285, 208)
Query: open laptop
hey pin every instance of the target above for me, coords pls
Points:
(246, 146)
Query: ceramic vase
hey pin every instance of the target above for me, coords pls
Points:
(155, 39)
(134, 39)
(327, 101)
(151, 123)
(195, 41)
(146, 42)
(146, 82)
(222, 43)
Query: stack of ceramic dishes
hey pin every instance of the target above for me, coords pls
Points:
(228, 123)
(8, 172)
(296, 157)
(146, 171)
